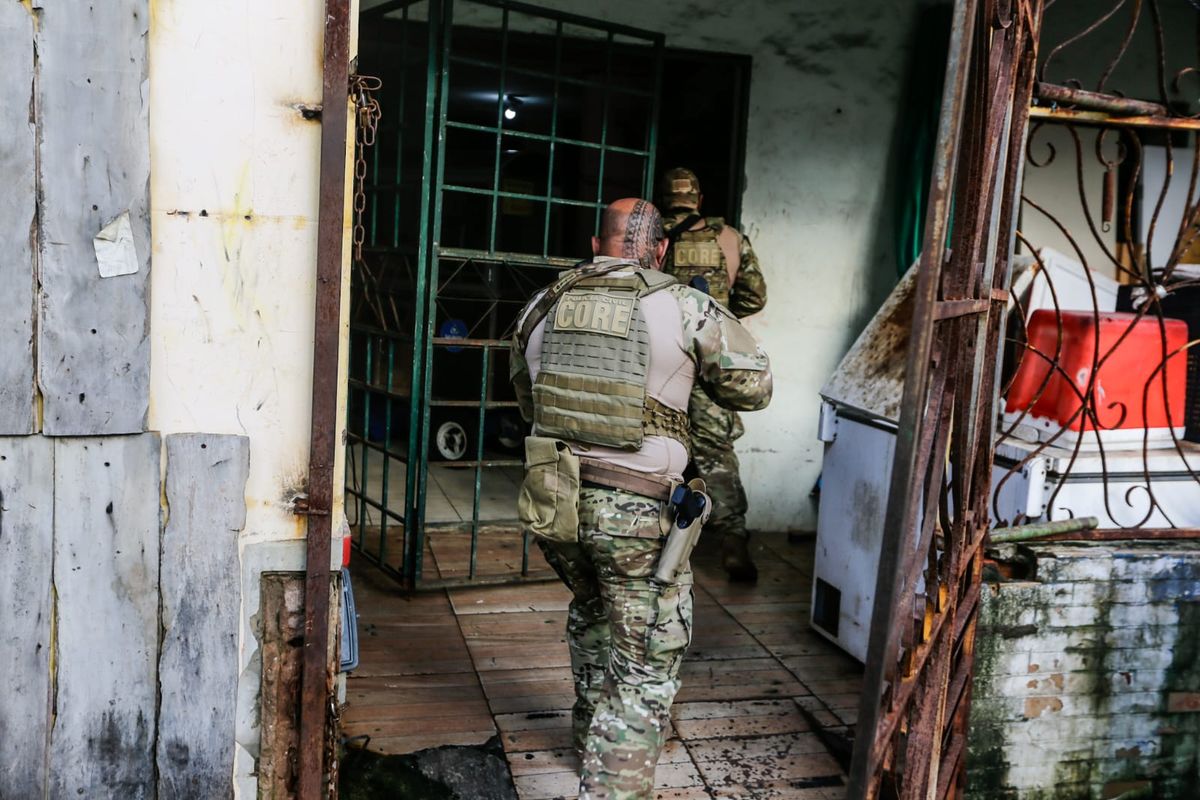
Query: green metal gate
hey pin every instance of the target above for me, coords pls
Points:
(505, 129)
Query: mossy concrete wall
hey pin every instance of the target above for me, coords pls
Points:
(1088, 676)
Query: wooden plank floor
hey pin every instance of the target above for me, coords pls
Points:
(460, 666)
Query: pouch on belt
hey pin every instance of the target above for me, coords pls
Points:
(548, 504)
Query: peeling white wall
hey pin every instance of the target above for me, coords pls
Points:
(234, 180)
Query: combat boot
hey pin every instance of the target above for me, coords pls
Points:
(735, 558)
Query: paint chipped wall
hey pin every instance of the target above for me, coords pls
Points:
(1088, 676)
(234, 178)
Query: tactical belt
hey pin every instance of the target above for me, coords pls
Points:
(611, 476)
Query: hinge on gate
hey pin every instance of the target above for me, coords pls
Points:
(301, 508)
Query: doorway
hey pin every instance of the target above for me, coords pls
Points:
(504, 130)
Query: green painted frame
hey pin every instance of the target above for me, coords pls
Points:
(381, 345)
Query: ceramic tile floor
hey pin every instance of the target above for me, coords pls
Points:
(759, 686)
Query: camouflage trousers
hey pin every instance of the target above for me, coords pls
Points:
(627, 636)
(714, 430)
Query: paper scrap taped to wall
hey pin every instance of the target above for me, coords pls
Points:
(115, 252)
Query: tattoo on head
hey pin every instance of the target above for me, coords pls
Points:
(643, 232)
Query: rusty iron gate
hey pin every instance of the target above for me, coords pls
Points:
(913, 717)
(980, 360)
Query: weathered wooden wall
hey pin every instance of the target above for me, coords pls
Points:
(94, 155)
(201, 601)
(18, 208)
(136, 644)
(26, 527)
(79, 517)
(83, 554)
(106, 553)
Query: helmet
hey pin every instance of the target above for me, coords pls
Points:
(680, 188)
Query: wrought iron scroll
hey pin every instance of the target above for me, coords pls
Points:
(1132, 150)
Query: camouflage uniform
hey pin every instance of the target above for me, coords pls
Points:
(714, 429)
(627, 636)
(628, 633)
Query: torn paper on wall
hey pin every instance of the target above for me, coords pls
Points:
(115, 252)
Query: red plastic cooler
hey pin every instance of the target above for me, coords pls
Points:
(1121, 400)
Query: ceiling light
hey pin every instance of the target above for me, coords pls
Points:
(512, 102)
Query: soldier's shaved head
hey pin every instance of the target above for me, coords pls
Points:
(631, 228)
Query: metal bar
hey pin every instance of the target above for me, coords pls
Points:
(366, 432)
(377, 506)
(354, 438)
(603, 131)
(652, 123)
(403, 104)
(483, 63)
(473, 404)
(315, 683)
(949, 309)
(1023, 533)
(1098, 101)
(564, 16)
(466, 342)
(562, 201)
(542, 137)
(1101, 119)
(387, 440)
(901, 509)
(500, 100)
(495, 462)
(558, 35)
(483, 402)
(434, 233)
(522, 259)
(425, 247)
(387, 8)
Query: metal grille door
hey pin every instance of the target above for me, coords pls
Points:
(506, 129)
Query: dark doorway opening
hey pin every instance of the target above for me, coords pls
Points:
(702, 124)
(503, 131)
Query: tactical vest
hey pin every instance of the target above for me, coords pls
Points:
(698, 254)
(591, 387)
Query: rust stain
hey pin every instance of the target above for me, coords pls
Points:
(1183, 702)
(1115, 789)
(1036, 706)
